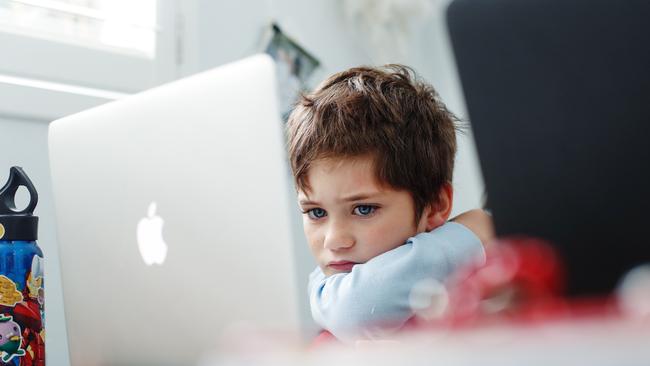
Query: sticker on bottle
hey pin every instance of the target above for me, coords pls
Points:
(35, 280)
(22, 315)
(11, 339)
(9, 294)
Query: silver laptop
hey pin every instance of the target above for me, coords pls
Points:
(173, 213)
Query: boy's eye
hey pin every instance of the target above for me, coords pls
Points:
(365, 210)
(316, 213)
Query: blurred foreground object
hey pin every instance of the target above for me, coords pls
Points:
(523, 282)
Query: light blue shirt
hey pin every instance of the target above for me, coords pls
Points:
(373, 299)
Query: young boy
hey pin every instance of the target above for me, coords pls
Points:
(372, 153)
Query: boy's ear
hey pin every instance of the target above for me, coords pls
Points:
(437, 213)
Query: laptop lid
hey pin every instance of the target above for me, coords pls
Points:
(558, 94)
(173, 218)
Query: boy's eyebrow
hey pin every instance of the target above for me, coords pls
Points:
(351, 198)
(360, 196)
(308, 202)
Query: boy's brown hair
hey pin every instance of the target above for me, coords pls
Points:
(385, 112)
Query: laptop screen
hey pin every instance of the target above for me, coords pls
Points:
(558, 94)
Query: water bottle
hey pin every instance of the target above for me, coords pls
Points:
(22, 332)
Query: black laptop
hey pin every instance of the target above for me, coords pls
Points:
(558, 93)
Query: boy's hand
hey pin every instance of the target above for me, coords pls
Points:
(479, 222)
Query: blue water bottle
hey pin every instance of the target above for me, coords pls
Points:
(22, 332)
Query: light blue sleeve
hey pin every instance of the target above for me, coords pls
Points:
(373, 299)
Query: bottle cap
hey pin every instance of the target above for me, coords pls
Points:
(18, 224)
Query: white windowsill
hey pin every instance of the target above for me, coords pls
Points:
(44, 101)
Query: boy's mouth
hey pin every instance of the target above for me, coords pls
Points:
(341, 266)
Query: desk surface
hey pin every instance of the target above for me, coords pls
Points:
(586, 342)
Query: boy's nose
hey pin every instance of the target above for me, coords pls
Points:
(338, 237)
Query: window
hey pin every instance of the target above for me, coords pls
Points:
(115, 25)
(121, 46)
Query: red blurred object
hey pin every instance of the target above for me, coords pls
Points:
(522, 280)
(323, 338)
(521, 283)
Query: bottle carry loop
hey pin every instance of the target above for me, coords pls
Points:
(18, 224)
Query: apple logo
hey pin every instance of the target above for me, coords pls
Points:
(150, 239)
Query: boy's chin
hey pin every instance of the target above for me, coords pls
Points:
(332, 270)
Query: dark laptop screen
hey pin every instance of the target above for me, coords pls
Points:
(558, 93)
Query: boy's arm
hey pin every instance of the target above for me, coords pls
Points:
(374, 296)
(479, 222)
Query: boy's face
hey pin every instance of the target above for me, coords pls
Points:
(349, 217)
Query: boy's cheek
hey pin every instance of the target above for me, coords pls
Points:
(308, 229)
(315, 245)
